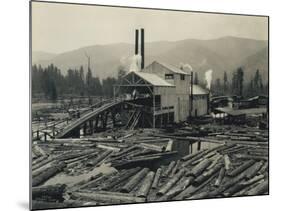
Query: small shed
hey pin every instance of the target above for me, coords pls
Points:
(200, 101)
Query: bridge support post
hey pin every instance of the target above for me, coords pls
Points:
(84, 129)
(104, 119)
(97, 122)
(113, 117)
(91, 127)
(199, 146)
(153, 110)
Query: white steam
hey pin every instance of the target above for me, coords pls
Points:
(131, 63)
(135, 65)
(186, 66)
(208, 78)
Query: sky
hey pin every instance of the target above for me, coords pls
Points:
(57, 28)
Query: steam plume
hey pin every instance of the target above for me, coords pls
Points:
(208, 78)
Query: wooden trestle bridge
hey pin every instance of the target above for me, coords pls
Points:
(92, 120)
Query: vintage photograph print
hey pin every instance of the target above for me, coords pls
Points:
(136, 105)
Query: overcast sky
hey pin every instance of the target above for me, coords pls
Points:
(57, 28)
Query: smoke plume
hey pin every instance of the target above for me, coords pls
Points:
(135, 65)
(186, 66)
(208, 78)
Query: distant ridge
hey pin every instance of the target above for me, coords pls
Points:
(222, 54)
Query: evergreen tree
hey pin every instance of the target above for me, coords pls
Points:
(89, 82)
(196, 78)
(225, 83)
(240, 80)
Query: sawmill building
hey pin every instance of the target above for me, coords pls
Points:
(162, 90)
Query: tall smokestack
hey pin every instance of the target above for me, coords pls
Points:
(137, 42)
(142, 48)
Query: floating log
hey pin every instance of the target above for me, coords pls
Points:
(220, 177)
(124, 155)
(190, 156)
(139, 153)
(49, 191)
(166, 187)
(39, 150)
(241, 168)
(259, 189)
(247, 188)
(253, 170)
(242, 185)
(100, 158)
(152, 147)
(93, 181)
(146, 184)
(162, 154)
(156, 178)
(42, 163)
(80, 158)
(134, 180)
(253, 180)
(205, 176)
(229, 183)
(169, 145)
(191, 189)
(36, 204)
(227, 162)
(39, 179)
(199, 195)
(233, 189)
(190, 138)
(254, 157)
(109, 197)
(80, 184)
(196, 159)
(175, 169)
(80, 203)
(169, 169)
(199, 168)
(179, 187)
(38, 160)
(114, 149)
(71, 155)
(134, 162)
(215, 161)
(264, 168)
(125, 151)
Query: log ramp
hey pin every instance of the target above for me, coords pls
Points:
(236, 165)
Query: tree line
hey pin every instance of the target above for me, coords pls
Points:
(237, 85)
(51, 83)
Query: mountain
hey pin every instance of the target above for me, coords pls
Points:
(257, 61)
(39, 56)
(223, 54)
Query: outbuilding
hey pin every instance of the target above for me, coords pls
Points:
(200, 101)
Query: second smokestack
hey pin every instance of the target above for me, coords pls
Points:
(137, 42)
(142, 48)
